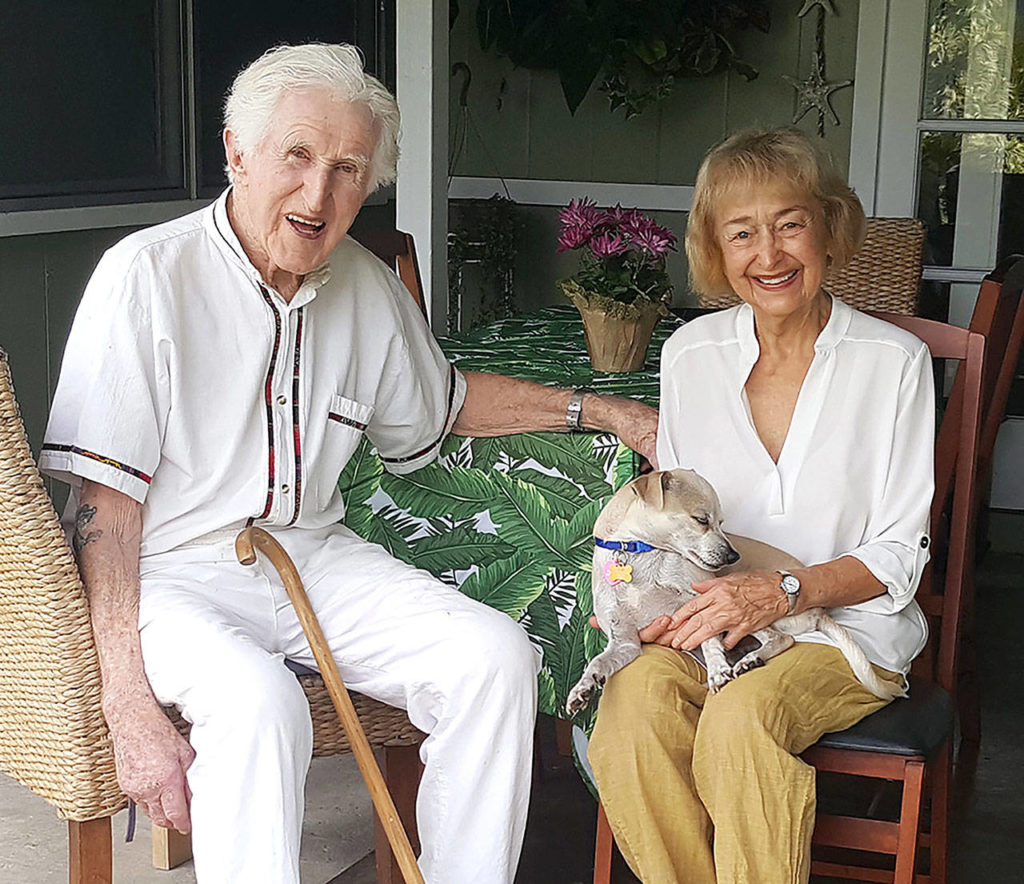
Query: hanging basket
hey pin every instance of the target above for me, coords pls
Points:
(617, 334)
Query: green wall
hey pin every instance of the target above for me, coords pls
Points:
(41, 281)
(520, 126)
(517, 125)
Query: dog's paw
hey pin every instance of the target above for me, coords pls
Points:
(746, 664)
(580, 695)
(719, 679)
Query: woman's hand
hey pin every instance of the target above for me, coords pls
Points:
(736, 605)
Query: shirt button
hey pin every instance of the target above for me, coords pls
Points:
(924, 543)
(285, 489)
(282, 400)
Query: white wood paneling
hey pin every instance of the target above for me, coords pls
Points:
(421, 207)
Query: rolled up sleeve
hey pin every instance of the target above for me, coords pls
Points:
(899, 544)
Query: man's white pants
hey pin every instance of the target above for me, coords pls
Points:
(214, 637)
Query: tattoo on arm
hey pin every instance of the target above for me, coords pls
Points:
(82, 536)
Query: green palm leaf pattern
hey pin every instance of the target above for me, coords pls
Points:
(568, 660)
(572, 456)
(562, 496)
(512, 517)
(392, 529)
(508, 585)
(525, 520)
(547, 697)
(458, 550)
(541, 623)
(435, 491)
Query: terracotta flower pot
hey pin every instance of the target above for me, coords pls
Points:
(616, 343)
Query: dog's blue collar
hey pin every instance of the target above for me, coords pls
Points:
(630, 546)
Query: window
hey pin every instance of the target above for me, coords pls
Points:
(110, 103)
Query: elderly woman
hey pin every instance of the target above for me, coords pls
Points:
(814, 422)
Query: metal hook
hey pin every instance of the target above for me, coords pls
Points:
(458, 68)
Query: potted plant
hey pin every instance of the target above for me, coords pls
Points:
(622, 288)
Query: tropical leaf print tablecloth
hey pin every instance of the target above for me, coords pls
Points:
(509, 520)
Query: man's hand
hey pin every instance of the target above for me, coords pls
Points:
(633, 422)
(150, 755)
(152, 758)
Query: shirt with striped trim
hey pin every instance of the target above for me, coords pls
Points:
(194, 388)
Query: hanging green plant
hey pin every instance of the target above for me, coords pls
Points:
(639, 47)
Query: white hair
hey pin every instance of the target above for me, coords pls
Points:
(336, 68)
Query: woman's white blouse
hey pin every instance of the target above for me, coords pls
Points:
(855, 475)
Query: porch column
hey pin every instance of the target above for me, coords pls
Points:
(421, 49)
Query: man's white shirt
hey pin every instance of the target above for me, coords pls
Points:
(195, 389)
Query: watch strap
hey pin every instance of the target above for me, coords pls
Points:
(574, 411)
(792, 595)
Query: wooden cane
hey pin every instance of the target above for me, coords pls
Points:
(245, 548)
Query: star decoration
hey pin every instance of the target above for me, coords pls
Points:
(826, 6)
(813, 93)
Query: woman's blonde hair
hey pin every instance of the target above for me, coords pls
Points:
(754, 157)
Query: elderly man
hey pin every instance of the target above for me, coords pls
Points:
(220, 372)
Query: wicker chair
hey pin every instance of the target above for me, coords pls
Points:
(55, 740)
(884, 275)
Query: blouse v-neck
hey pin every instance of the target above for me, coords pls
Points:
(809, 401)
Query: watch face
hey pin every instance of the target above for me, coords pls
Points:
(790, 584)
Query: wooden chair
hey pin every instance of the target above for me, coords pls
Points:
(909, 741)
(55, 739)
(999, 315)
(884, 275)
(397, 249)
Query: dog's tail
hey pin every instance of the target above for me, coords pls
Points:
(855, 656)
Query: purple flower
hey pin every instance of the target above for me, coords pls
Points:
(582, 212)
(615, 232)
(655, 240)
(607, 245)
(573, 237)
(616, 214)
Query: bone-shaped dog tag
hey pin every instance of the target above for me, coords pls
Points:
(614, 573)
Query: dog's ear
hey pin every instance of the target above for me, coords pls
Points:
(650, 489)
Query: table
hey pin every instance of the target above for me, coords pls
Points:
(509, 520)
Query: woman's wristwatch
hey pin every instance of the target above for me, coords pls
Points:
(790, 585)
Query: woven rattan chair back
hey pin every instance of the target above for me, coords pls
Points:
(54, 738)
(884, 275)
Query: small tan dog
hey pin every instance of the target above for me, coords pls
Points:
(669, 525)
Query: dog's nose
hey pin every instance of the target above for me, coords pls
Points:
(731, 556)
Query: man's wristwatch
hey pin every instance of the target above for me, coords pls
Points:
(790, 585)
(573, 413)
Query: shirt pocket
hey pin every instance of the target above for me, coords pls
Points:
(346, 425)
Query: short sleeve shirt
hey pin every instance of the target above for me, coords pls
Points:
(194, 388)
(855, 475)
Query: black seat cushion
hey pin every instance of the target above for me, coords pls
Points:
(915, 725)
(299, 669)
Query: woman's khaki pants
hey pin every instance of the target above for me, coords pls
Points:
(702, 788)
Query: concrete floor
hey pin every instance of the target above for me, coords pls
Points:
(337, 834)
(337, 840)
